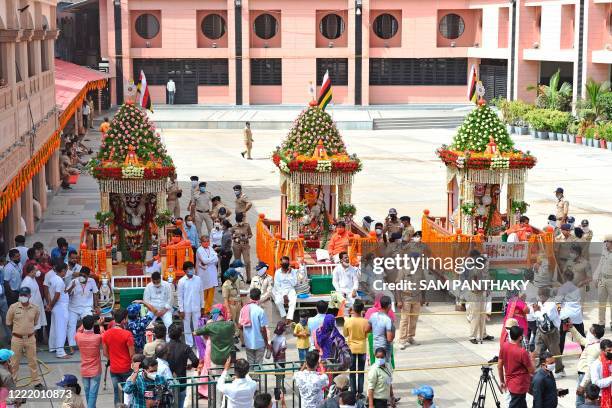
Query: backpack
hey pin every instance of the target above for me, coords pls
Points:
(546, 325)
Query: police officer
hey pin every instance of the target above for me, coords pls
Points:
(195, 180)
(392, 223)
(242, 202)
(23, 317)
(231, 295)
(201, 203)
(409, 301)
(562, 207)
(174, 192)
(603, 277)
(216, 213)
(241, 234)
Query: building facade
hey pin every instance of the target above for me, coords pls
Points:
(29, 161)
(377, 51)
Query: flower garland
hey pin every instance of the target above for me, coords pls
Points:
(482, 161)
(351, 164)
(500, 162)
(132, 172)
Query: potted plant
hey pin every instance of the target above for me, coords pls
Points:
(604, 130)
(572, 131)
(589, 135)
(518, 110)
(535, 118)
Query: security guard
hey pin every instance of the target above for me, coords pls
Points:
(242, 202)
(201, 204)
(231, 295)
(603, 277)
(22, 318)
(193, 188)
(562, 207)
(174, 192)
(241, 234)
(217, 204)
(392, 223)
(248, 140)
(409, 301)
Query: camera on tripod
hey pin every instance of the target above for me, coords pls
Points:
(487, 382)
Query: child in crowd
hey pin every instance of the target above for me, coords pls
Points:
(303, 335)
(136, 360)
(279, 346)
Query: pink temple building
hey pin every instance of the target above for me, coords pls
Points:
(377, 51)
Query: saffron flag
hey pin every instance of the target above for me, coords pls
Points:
(325, 94)
(143, 90)
(472, 82)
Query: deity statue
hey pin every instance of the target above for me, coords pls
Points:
(135, 208)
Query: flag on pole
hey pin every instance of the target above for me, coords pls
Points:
(472, 82)
(143, 90)
(325, 94)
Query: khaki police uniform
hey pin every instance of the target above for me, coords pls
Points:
(231, 295)
(172, 199)
(214, 213)
(476, 305)
(202, 205)
(392, 226)
(581, 269)
(561, 211)
(410, 304)
(407, 233)
(603, 276)
(243, 204)
(241, 234)
(248, 142)
(23, 319)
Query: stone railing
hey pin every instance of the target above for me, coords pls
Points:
(34, 84)
(47, 79)
(6, 98)
(21, 91)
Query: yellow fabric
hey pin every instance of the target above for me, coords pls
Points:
(355, 332)
(302, 342)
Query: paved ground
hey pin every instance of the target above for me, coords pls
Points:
(400, 170)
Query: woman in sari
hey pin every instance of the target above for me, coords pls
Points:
(326, 337)
(517, 309)
(204, 346)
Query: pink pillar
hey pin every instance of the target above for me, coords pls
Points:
(27, 209)
(39, 185)
(53, 176)
(13, 219)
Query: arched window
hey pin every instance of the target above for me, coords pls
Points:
(331, 26)
(452, 26)
(265, 26)
(213, 26)
(147, 26)
(385, 26)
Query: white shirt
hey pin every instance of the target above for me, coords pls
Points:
(310, 384)
(35, 299)
(155, 267)
(163, 369)
(57, 285)
(23, 252)
(206, 267)
(190, 294)
(86, 109)
(345, 280)
(159, 298)
(239, 393)
(284, 282)
(48, 276)
(549, 308)
(596, 375)
(82, 296)
(171, 86)
(570, 302)
(71, 273)
(215, 237)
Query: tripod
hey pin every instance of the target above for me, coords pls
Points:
(487, 378)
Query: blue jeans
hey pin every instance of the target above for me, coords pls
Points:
(181, 397)
(117, 379)
(579, 398)
(91, 386)
(302, 354)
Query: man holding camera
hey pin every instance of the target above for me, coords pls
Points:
(549, 322)
(145, 385)
(240, 392)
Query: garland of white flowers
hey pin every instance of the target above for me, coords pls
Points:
(500, 162)
(132, 172)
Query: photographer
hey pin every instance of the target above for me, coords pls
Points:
(144, 385)
(549, 322)
(239, 393)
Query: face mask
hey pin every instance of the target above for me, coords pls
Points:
(189, 272)
(189, 223)
(590, 338)
(202, 189)
(303, 322)
(152, 375)
(37, 274)
(194, 184)
(508, 333)
(378, 231)
(381, 361)
(217, 226)
(237, 193)
(585, 229)
(609, 355)
(205, 244)
(285, 265)
(551, 367)
(158, 285)
(104, 282)
(71, 263)
(24, 299)
(262, 271)
(16, 261)
(82, 279)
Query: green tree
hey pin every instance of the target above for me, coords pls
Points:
(553, 96)
(595, 92)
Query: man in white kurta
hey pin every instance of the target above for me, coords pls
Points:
(285, 281)
(190, 301)
(345, 279)
(82, 291)
(59, 312)
(159, 294)
(206, 266)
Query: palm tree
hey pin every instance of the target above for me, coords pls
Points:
(594, 92)
(553, 96)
